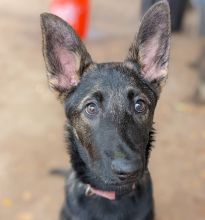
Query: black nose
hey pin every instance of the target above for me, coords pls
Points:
(125, 168)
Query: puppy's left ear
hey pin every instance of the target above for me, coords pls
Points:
(149, 51)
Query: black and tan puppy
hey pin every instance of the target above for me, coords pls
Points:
(109, 109)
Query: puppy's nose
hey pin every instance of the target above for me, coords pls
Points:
(125, 168)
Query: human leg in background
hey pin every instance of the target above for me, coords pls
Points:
(199, 95)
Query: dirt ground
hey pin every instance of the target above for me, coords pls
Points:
(31, 128)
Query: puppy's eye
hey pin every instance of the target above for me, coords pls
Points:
(91, 108)
(140, 106)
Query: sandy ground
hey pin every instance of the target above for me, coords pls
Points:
(31, 128)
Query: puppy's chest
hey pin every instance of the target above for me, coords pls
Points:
(78, 206)
(96, 210)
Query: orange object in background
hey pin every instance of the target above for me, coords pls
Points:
(75, 12)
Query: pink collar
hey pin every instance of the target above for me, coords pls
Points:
(111, 195)
(105, 194)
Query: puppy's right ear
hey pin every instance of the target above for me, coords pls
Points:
(65, 55)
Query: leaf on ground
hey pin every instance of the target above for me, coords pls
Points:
(7, 202)
(26, 196)
(183, 107)
(189, 108)
(25, 216)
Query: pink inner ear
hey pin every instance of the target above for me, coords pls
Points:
(69, 63)
(148, 53)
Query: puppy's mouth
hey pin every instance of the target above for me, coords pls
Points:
(111, 195)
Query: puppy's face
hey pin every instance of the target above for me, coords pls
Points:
(110, 106)
(110, 117)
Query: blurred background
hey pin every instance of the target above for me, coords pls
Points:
(31, 119)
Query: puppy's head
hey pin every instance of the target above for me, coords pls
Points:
(110, 106)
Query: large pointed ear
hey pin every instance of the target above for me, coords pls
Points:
(149, 51)
(65, 55)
